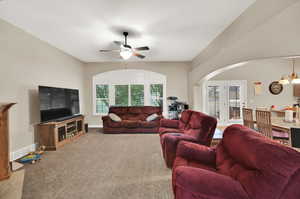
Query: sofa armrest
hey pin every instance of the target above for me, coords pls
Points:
(197, 152)
(170, 142)
(169, 123)
(105, 118)
(191, 182)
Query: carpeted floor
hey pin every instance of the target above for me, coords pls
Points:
(99, 166)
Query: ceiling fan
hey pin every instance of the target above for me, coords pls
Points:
(126, 51)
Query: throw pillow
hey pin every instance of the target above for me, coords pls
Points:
(114, 117)
(152, 117)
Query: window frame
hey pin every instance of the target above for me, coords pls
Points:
(128, 77)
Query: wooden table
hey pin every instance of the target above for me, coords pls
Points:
(279, 124)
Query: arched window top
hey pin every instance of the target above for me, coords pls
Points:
(128, 87)
(129, 76)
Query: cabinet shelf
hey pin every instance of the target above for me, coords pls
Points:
(54, 135)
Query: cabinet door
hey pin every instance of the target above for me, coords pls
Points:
(297, 90)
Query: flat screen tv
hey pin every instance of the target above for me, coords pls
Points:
(58, 103)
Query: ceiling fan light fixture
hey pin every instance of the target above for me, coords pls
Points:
(126, 54)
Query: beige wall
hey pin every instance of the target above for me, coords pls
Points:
(267, 29)
(265, 71)
(25, 63)
(176, 73)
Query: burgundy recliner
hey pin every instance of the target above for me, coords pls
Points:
(245, 165)
(193, 126)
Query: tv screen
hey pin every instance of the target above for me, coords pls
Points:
(58, 103)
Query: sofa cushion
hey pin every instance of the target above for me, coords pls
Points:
(151, 124)
(169, 123)
(163, 130)
(136, 110)
(132, 117)
(197, 183)
(118, 110)
(130, 124)
(179, 161)
(152, 109)
(113, 124)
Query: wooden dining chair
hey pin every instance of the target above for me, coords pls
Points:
(264, 126)
(248, 118)
(263, 122)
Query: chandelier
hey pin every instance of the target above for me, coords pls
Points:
(292, 78)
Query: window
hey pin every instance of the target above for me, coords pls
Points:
(137, 95)
(121, 95)
(128, 88)
(156, 93)
(102, 99)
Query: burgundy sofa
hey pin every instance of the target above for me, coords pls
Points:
(193, 126)
(245, 165)
(133, 120)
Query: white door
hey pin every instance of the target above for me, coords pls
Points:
(225, 100)
(215, 99)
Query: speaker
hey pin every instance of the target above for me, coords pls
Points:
(86, 127)
(295, 137)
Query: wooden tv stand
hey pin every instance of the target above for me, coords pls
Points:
(54, 135)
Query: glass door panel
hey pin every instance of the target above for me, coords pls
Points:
(214, 101)
(225, 99)
(234, 103)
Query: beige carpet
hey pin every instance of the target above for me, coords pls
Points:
(99, 166)
(12, 188)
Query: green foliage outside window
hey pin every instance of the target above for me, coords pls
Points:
(156, 91)
(121, 95)
(137, 95)
(102, 99)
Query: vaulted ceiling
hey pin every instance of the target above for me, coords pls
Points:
(175, 30)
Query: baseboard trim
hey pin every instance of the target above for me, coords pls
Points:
(22, 152)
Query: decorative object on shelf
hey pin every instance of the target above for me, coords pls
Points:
(275, 88)
(293, 78)
(5, 169)
(257, 88)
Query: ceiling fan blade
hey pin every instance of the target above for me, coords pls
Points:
(118, 43)
(104, 51)
(142, 48)
(139, 55)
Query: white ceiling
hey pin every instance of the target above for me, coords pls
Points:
(175, 30)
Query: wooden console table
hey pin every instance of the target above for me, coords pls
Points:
(54, 135)
(4, 141)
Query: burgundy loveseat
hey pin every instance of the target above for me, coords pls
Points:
(193, 126)
(245, 165)
(133, 120)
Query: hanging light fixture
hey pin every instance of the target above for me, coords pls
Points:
(284, 80)
(293, 77)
